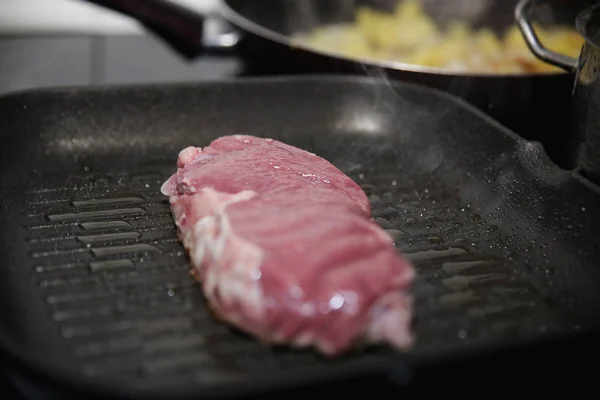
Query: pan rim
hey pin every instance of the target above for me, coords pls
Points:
(360, 80)
(294, 78)
(228, 13)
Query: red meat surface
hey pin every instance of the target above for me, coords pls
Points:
(284, 247)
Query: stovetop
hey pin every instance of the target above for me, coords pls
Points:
(29, 62)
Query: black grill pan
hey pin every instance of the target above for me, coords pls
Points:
(95, 286)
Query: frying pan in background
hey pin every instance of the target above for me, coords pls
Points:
(536, 106)
(95, 291)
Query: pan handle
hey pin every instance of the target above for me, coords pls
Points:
(522, 15)
(189, 33)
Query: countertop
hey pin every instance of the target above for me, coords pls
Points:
(32, 61)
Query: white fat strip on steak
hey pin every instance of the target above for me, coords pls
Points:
(237, 281)
(229, 268)
(228, 265)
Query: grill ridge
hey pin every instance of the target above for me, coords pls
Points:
(116, 282)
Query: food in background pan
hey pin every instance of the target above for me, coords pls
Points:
(410, 36)
(284, 247)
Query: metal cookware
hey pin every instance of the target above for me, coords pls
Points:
(94, 284)
(532, 105)
(583, 149)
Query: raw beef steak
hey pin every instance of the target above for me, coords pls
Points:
(284, 247)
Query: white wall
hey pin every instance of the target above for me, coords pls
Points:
(72, 16)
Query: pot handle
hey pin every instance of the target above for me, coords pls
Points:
(522, 15)
(189, 33)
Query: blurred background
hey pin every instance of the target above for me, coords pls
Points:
(69, 42)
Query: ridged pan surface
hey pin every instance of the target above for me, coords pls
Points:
(95, 285)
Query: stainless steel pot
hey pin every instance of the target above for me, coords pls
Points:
(583, 148)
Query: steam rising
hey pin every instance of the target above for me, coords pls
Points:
(410, 133)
